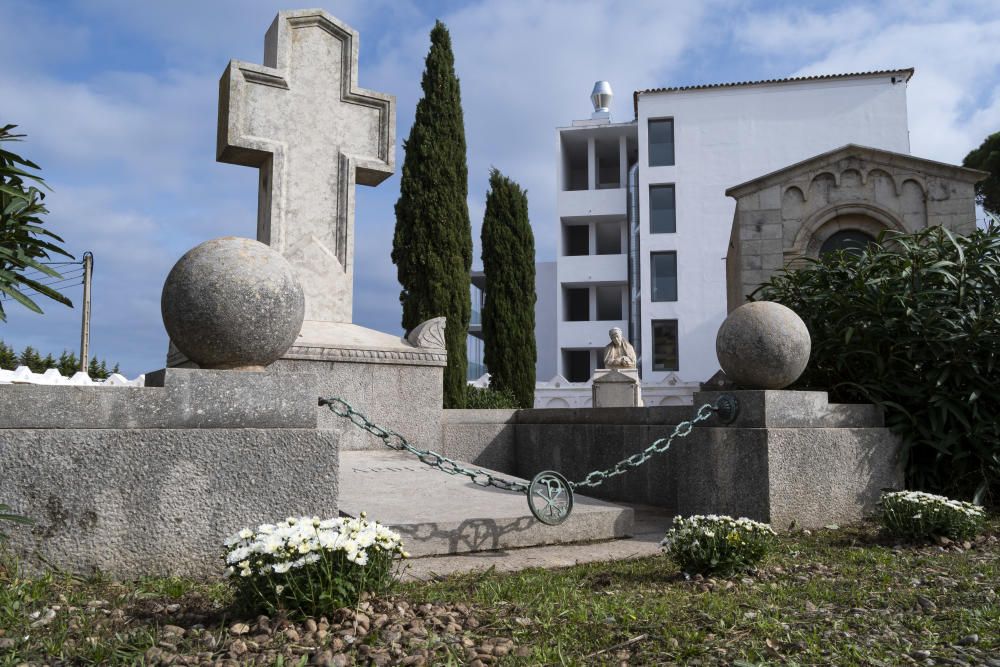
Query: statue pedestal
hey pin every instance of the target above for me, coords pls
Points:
(616, 388)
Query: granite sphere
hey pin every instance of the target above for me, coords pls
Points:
(232, 303)
(763, 345)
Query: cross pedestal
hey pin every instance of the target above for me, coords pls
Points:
(302, 120)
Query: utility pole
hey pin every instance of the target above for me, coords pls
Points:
(88, 270)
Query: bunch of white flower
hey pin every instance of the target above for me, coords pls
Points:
(342, 554)
(916, 514)
(714, 543)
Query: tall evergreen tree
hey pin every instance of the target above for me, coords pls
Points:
(987, 158)
(432, 246)
(509, 307)
(8, 357)
(48, 362)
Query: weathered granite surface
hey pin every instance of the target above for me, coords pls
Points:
(763, 345)
(232, 303)
(437, 513)
(304, 122)
(788, 456)
(616, 388)
(405, 398)
(172, 398)
(463, 432)
(132, 502)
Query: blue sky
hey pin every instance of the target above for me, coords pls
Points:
(119, 101)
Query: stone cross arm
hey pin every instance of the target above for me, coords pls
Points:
(302, 120)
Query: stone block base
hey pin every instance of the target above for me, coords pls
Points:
(134, 502)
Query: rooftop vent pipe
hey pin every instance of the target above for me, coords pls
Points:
(634, 281)
(601, 97)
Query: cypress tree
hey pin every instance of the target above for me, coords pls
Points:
(30, 358)
(432, 245)
(509, 295)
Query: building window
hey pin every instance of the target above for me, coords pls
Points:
(577, 301)
(662, 209)
(608, 238)
(665, 355)
(664, 275)
(609, 302)
(851, 241)
(577, 240)
(661, 142)
(576, 365)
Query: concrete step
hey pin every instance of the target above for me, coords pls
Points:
(437, 513)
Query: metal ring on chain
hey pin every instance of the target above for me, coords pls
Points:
(550, 497)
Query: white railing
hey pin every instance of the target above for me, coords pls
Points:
(561, 393)
(23, 375)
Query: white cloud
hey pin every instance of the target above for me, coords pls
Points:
(803, 32)
(952, 98)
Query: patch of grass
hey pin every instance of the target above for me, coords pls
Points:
(843, 597)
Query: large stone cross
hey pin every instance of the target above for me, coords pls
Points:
(302, 120)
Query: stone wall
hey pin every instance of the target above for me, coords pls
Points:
(150, 480)
(788, 457)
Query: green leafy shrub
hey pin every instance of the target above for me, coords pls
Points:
(717, 544)
(478, 398)
(24, 243)
(309, 566)
(911, 324)
(918, 515)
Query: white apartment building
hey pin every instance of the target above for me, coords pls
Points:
(658, 272)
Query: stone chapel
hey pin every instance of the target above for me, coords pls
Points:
(836, 200)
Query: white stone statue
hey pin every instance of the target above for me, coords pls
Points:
(619, 353)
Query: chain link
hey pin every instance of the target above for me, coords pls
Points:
(682, 430)
(481, 477)
(428, 457)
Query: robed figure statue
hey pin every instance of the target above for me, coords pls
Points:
(619, 353)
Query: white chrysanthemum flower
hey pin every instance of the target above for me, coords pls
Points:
(281, 568)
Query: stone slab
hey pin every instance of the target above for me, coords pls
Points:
(652, 416)
(793, 409)
(651, 525)
(178, 398)
(404, 398)
(437, 513)
(133, 502)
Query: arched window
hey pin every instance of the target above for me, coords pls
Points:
(848, 240)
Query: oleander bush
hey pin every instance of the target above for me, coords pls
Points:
(478, 398)
(919, 515)
(717, 544)
(307, 566)
(911, 324)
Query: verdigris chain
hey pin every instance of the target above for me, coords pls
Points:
(550, 496)
(394, 440)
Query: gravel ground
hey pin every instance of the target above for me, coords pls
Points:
(377, 632)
